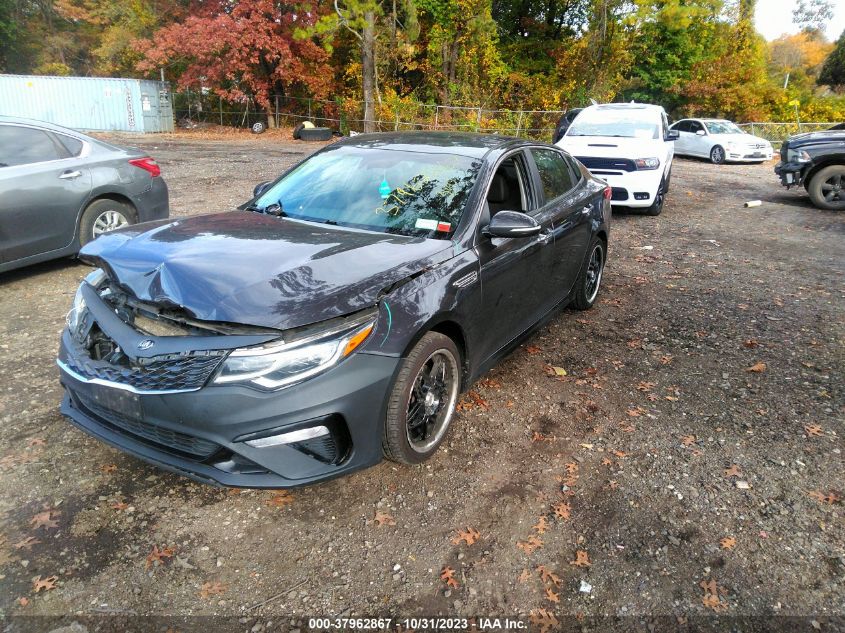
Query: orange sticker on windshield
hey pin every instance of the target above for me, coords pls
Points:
(445, 227)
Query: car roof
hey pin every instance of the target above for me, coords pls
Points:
(437, 142)
(42, 124)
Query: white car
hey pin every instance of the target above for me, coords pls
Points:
(630, 146)
(720, 141)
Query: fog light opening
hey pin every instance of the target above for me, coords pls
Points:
(291, 437)
(641, 195)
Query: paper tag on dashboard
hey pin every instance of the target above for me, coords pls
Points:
(444, 227)
(426, 225)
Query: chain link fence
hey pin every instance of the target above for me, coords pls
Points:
(777, 133)
(201, 108)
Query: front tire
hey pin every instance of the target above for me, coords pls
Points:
(659, 198)
(827, 188)
(717, 155)
(102, 216)
(589, 280)
(422, 400)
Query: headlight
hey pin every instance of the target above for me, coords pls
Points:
(77, 309)
(647, 163)
(797, 156)
(283, 364)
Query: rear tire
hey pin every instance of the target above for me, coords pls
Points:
(422, 400)
(102, 216)
(827, 188)
(589, 279)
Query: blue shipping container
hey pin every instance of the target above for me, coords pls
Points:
(89, 103)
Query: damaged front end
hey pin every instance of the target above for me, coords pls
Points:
(220, 402)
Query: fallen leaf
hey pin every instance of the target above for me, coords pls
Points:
(666, 360)
(551, 595)
(530, 545)
(733, 471)
(711, 599)
(541, 526)
(829, 498)
(447, 574)
(209, 589)
(108, 468)
(635, 343)
(158, 556)
(543, 620)
(757, 368)
(750, 343)
(478, 400)
(119, 506)
(581, 559)
(281, 499)
(562, 510)
(27, 543)
(620, 454)
(646, 386)
(606, 461)
(729, 542)
(546, 575)
(382, 518)
(45, 584)
(688, 440)
(36, 441)
(813, 430)
(45, 519)
(533, 349)
(525, 576)
(23, 601)
(558, 371)
(468, 536)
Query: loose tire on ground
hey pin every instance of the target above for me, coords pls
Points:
(102, 216)
(827, 188)
(588, 284)
(396, 438)
(258, 127)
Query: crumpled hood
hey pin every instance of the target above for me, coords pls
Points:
(244, 267)
(601, 146)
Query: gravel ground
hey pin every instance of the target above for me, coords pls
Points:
(688, 464)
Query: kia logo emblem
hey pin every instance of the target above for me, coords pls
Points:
(145, 344)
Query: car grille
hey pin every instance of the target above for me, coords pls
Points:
(182, 373)
(617, 164)
(166, 439)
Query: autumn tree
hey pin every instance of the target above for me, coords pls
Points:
(812, 15)
(243, 50)
(833, 71)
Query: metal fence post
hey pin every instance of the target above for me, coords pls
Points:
(396, 127)
(519, 122)
(276, 113)
(478, 120)
(188, 91)
(220, 103)
(436, 115)
(309, 109)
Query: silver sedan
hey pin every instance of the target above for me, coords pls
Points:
(719, 140)
(60, 189)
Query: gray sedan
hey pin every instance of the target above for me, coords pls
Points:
(60, 189)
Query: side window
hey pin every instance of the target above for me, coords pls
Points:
(682, 126)
(507, 188)
(72, 145)
(25, 145)
(695, 126)
(556, 176)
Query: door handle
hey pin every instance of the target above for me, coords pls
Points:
(70, 175)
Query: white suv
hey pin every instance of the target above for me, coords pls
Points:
(630, 146)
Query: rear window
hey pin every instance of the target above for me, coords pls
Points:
(25, 145)
(72, 145)
(386, 190)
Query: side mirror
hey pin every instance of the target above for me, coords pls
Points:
(700, 133)
(512, 224)
(673, 135)
(260, 188)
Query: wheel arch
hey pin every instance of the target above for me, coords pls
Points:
(103, 195)
(817, 167)
(446, 325)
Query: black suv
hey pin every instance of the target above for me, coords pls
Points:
(817, 161)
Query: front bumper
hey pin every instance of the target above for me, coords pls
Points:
(635, 189)
(791, 174)
(748, 155)
(201, 434)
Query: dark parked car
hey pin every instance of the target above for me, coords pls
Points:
(564, 122)
(817, 161)
(336, 318)
(60, 189)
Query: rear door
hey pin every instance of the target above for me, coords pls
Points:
(567, 201)
(42, 188)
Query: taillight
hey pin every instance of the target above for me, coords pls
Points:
(147, 164)
(608, 193)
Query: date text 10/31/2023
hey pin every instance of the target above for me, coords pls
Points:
(417, 623)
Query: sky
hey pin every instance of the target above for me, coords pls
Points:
(773, 18)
